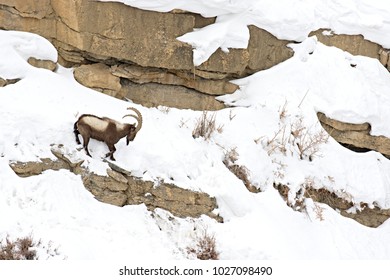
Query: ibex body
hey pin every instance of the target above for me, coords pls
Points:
(107, 130)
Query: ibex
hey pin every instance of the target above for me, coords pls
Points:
(107, 130)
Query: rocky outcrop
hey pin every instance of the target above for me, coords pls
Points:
(355, 136)
(354, 44)
(143, 60)
(140, 48)
(6, 82)
(371, 217)
(120, 188)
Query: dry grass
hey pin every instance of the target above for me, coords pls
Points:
(20, 249)
(25, 249)
(308, 143)
(319, 211)
(296, 138)
(205, 247)
(164, 109)
(279, 142)
(206, 126)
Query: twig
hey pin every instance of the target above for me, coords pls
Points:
(299, 106)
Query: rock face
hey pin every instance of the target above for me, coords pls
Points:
(355, 136)
(139, 48)
(143, 60)
(120, 188)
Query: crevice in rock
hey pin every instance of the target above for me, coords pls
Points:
(120, 188)
(355, 149)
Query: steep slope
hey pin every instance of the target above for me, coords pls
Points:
(38, 112)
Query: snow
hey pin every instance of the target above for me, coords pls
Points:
(286, 19)
(39, 111)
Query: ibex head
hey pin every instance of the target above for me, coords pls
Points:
(133, 128)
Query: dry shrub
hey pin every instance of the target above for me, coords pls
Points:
(25, 249)
(319, 211)
(308, 143)
(205, 247)
(296, 138)
(20, 249)
(164, 109)
(279, 142)
(206, 126)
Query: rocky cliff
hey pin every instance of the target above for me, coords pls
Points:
(131, 53)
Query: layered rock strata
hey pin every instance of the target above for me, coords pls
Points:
(355, 136)
(143, 59)
(120, 188)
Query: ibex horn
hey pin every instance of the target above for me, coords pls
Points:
(138, 117)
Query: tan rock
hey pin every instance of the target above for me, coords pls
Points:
(356, 135)
(113, 198)
(153, 95)
(34, 9)
(265, 50)
(369, 217)
(98, 76)
(119, 188)
(6, 82)
(25, 169)
(117, 176)
(384, 58)
(354, 44)
(116, 30)
(112, 33)
(39, 63)
(343, 126)
(146, 38)
(143, 75)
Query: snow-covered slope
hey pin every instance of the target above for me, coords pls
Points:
(40, 109)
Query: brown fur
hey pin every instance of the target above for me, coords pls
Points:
(88, 126)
